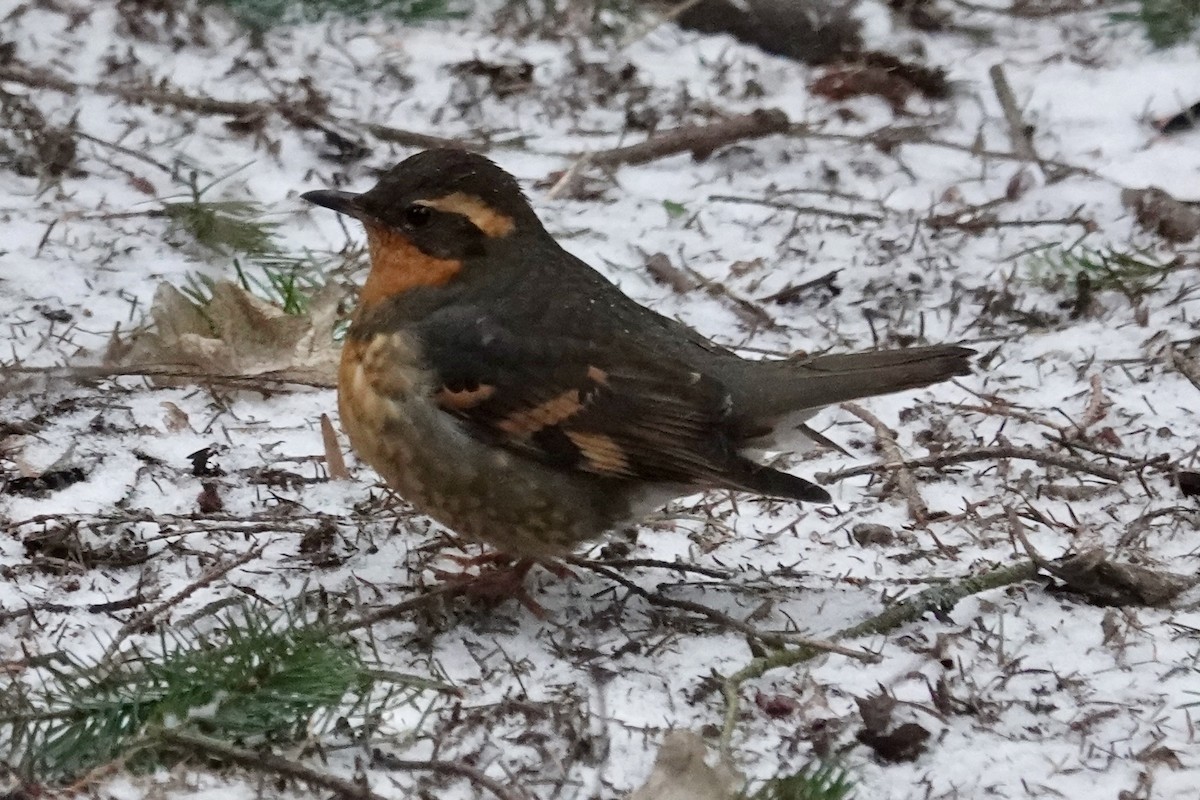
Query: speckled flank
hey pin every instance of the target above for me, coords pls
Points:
(388, 411)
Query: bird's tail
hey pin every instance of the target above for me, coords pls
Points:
(782, 388)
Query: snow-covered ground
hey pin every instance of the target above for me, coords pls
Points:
(1026, 691)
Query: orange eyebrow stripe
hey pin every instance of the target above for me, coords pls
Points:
(494, 224)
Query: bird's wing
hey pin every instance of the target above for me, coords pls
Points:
(612, 409)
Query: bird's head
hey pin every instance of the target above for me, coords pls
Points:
(432, 214)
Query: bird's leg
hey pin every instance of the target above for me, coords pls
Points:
(502, 577)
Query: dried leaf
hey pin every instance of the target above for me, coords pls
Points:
(876, 711)
(681, 772)
(1161, 213)
(1019, 184)
(903, 744)
(238, 334)
(175, 419)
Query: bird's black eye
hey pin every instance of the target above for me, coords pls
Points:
(417, 216)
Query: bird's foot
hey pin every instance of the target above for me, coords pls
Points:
(500, 577)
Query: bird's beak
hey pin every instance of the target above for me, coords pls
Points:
(341, 202)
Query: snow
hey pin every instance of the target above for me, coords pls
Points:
(574, 706)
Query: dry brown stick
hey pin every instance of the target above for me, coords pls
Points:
(699, 140)
(314, 378)
(887, 138)
(397, 610)
(294, 112)
(849, 216)
(962, 220)
(939, 599)
(455, 768)
(978, 454)
(1018, 131)
(796, 291)
(654, 563)
(891, 450)
(721, 618)
(209, 576)
(260, 761)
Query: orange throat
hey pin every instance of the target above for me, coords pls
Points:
(397, 265)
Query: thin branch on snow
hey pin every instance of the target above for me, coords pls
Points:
(296, 112)
(207, 578)
(940, 460)
(265, 762)
(774, 640)
(939, 599)
(895, 461)
(699, 140)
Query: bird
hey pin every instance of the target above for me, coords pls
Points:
(511, 392)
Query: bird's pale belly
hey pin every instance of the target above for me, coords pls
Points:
(424, 454)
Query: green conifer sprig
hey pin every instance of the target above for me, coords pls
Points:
(1132, 272)
(823, 781)
(224, 227)
(258, 679)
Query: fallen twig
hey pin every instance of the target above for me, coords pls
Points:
(889, 138)
(1018, 130)
(795, 292)
(654, 563)
(206, 578)
(261, 761)
(774, 640)
(849, 216)
(455, 768)
(940, 460)
(938, 598)
(967, 220)
(904, 479)
(273, 379)
(297, 112)
(699, 140)
(396, 611)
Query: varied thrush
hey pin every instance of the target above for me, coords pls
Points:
(512, 393)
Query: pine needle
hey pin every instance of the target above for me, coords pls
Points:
(814, 782)
(1131, 272)
(224, 227)
(266, 681)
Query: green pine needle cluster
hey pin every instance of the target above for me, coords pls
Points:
(814, 782)
(1166, 22)
(258, 680)
(223, 227)
(237, 230)
(1131, 272)
(261, 15)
